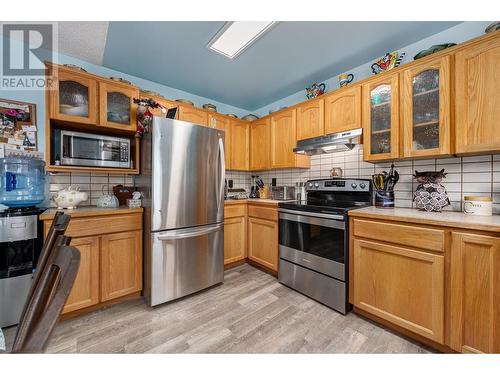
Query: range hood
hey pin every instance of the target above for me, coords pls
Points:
(335, 142)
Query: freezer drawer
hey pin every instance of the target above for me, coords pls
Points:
(185, 261)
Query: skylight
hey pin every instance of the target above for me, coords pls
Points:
(237, 36)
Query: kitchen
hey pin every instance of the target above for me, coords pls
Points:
(358, 216)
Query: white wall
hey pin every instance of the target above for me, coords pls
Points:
(456, 34)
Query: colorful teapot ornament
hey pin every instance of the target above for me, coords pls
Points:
(387, 62)
(315, 90)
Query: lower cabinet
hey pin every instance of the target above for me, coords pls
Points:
(85, 290)
(475, 293)
(110, 256)
(400, 285)
(121, 264)
(263, 242)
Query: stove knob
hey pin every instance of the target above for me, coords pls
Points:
(310, 185)
(362, 185)
(316, 185)
(354, 186)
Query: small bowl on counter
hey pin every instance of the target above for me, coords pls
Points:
(477, 205)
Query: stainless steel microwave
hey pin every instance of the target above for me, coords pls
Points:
(92, 150)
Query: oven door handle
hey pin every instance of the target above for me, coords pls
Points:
(313, 214)
(313, 220)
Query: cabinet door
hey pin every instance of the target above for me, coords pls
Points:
(477, 101)
(240, 145)
(402, 286)
(343, 110)
(263, 242)
(193, 115)
(116, 106)
(475, 293)
(235, 239)
(74, 99)
(224, 124)
(283, 139)
(311, 119)
(381, 118)
(121, 264)
(426, 96)
(85, 291)
(260, 144)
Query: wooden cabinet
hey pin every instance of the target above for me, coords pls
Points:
(400, 285)
(240, 145)
(260, 144)
(263, 236)
(224, 124)
(284, 140)
(477, 98)
(235, 233)
(193, 115)
(74, 97)
(110, 244)
(343, 110)
(311, 119)
(121, 264)
(381, 118)
(425, 108)
(475, 293)
(116, 106)
(85, 291)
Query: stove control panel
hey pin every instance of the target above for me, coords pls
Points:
(344, 184)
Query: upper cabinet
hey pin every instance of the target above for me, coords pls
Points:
(381, 118)
(343, 110)
(116, 106)
(260, 146)
(477, 103)
(311, 119)
(223, 123)
(74, 97)
(191, 114)
(283, 141)
(425, 107)
(240, 145)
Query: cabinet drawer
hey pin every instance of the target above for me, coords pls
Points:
(92, 226)
(268, 213)
(234, 210)
(424, 238)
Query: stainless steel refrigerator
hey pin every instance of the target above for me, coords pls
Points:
(182, 182)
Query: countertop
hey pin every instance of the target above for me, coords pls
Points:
(445, 218)
(85, 211)
(271, 202)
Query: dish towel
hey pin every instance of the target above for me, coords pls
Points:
(2, 341)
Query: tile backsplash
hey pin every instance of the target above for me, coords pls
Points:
(474, 175)
(95, 184)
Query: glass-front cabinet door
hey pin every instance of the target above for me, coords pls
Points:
(116, 106)
(426, 108)
(74, 98)
(381, 118)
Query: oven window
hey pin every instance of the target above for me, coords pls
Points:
(314, 239)
(17, 258)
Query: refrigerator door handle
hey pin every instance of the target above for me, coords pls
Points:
(220, 198)
(189, 233)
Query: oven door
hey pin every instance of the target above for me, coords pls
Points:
(314, 241)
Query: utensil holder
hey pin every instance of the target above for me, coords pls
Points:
(384, 199)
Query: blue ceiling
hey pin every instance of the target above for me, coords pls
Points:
(282, 62)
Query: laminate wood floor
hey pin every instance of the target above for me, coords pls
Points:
(250, 313)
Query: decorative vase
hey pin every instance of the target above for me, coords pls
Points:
(430, 195)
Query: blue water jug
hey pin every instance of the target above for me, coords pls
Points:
(22, 181)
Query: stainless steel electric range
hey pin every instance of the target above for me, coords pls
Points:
(314, 239)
